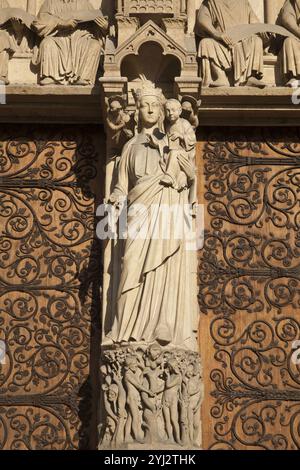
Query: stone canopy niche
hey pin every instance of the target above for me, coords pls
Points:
(164, 68)
(142, 28)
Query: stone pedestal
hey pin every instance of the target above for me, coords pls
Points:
(151, 398)
(20, 69)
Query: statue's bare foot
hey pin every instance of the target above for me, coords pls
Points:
(82, 82)
(163, 335)
(219, 83)
(107, 341)
(255, 82)
(167, 180)
(293, 82)
(47, 81)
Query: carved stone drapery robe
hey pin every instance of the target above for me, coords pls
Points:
(291, 46)
(64, 56)
(157, 297)
(246, 58)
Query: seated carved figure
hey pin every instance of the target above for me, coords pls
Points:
(12, 30)
(220, 56)
(73, 33)
(289, 17)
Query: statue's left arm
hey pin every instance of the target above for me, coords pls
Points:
(288, 19)
(205, 25)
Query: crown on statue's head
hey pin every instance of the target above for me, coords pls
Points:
(147, 88)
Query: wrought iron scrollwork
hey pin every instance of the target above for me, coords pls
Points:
(49, 285)
(249, 278)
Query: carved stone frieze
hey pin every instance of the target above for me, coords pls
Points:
(152, 396)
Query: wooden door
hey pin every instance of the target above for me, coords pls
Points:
(50, 268)
(249, 288)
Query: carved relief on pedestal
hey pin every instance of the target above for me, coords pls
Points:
(73, 35)
(151, 396)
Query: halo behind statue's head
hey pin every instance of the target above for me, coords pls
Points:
(147, 88)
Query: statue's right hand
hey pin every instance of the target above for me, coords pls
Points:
(115, 200)
(68, 24)
(226, 40)
(101, 22)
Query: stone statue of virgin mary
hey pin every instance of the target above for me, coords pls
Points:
(157, 296)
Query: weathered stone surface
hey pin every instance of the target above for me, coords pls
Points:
(181, 28)
(72, 41)
(152, 398)
(152, 384)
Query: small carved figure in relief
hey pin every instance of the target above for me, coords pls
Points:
(151, 395)
(133, 378)
(110, 404)
(118, 122)
(181, 137)
(220, 55)
(171, 400)
(192, 396)
(153, 373)
(289, 17)
(73, 38)
(190, 109)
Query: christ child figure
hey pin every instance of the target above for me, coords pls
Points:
(182, 144)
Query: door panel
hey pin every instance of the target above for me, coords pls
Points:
(249, 288)
(50, 276)
(49, 286)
